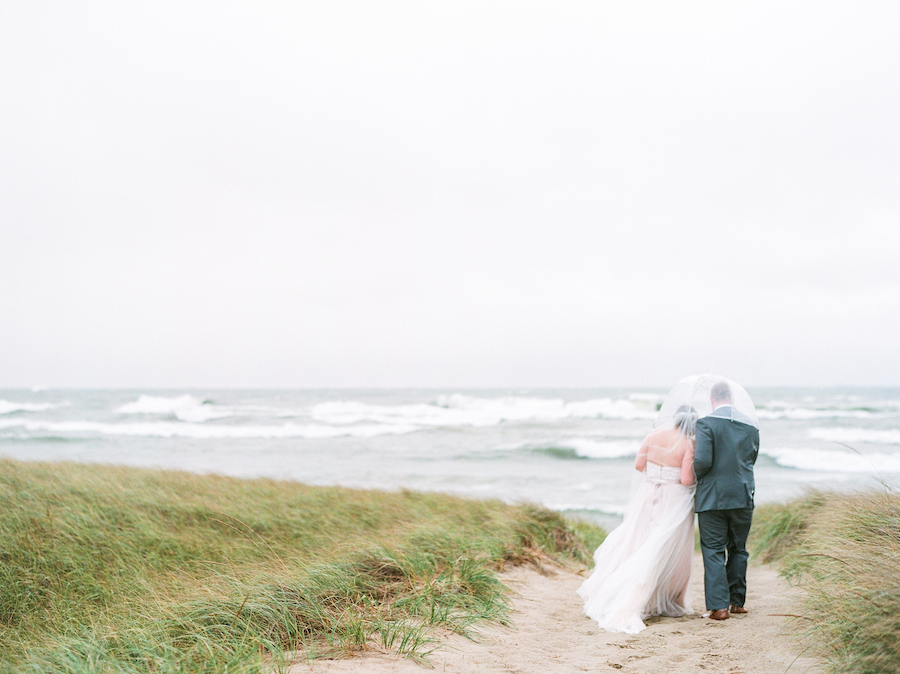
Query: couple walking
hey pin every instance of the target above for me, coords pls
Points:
(699, 458)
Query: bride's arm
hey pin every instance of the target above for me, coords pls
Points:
(687, 465)
(640, 463)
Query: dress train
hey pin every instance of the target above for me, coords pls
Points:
(643, 568)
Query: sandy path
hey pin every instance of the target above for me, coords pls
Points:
(551, 634)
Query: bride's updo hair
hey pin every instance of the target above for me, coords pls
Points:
(685, 418)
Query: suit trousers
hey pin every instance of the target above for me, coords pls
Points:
(723, 542)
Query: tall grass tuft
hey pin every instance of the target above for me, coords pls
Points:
(845, 550)
(779, 528)
(106, 569)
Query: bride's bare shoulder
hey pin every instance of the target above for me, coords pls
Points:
(663, 435)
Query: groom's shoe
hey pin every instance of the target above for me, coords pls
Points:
(721, 614)
(737, 609)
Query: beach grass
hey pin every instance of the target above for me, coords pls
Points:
(111, 569)
(844, 549)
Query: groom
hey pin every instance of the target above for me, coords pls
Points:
(724, 454)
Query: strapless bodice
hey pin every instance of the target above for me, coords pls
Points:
(657, 473)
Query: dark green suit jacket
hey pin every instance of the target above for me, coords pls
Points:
(724, 454)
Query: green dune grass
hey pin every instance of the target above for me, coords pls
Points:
(845, 551)
(107, 569)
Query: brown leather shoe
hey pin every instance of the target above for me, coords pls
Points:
(737, 609)
(720, 614)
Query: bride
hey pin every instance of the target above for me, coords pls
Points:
(643, 568)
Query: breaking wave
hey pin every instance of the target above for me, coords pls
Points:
(851, 435)
(606, 507)
(776, 409)
(583, 448)
(7, 406)
(183, 407)
(169, 429)
(834, 461)
(462, 410)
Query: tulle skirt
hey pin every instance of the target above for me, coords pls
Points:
(643, 568)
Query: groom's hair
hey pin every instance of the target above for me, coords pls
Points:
(720, 393)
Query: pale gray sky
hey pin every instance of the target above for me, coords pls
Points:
(448, 193)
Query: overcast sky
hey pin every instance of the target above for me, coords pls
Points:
(451, 194)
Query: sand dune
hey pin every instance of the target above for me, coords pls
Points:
(550, 634)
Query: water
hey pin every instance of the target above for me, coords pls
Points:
(571, 450)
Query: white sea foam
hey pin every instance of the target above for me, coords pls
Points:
(851, 435)
(806, 413)
(183, 407)
(594, 449)
(610, 508)
(7, 406)
(620, 433)
(461, 410)
(169, 429)
(834, 461)
(647, 397)
(848, 408)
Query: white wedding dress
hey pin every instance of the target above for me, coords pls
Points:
(643, 568)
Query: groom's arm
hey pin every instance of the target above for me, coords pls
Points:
(703, 450)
